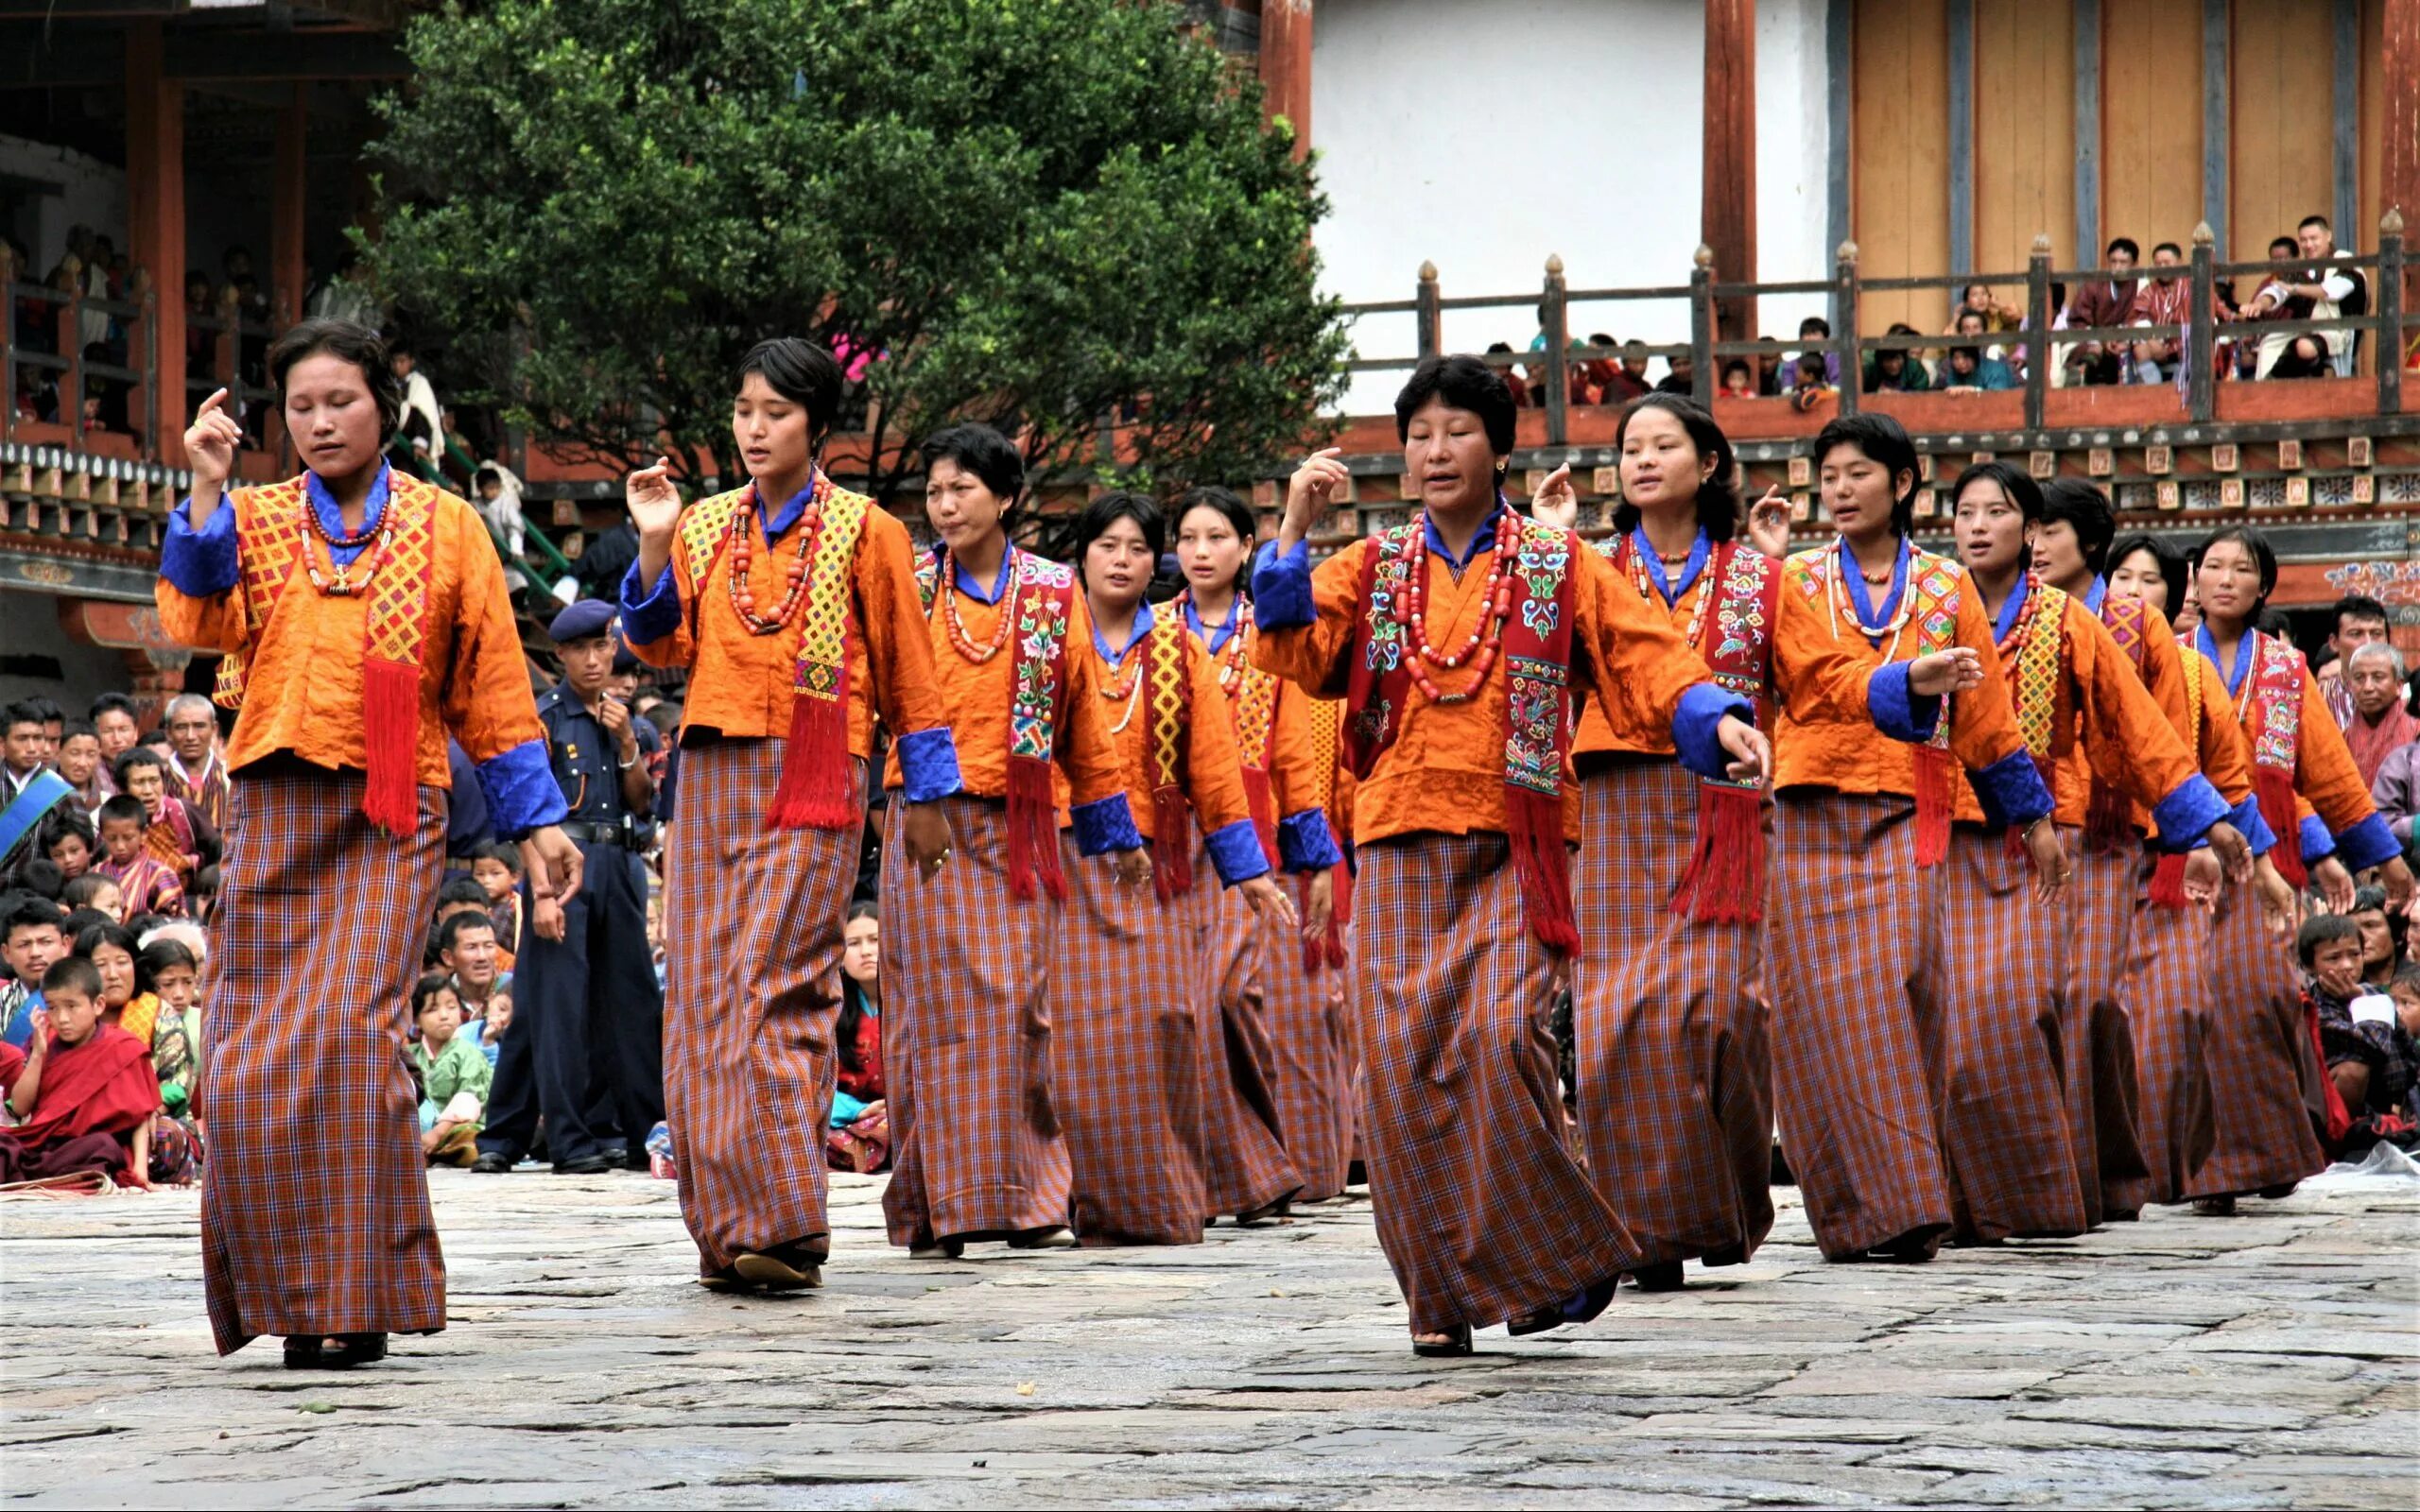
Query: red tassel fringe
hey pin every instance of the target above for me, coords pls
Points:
(1536, 823)
(1172, 843)
(1329, 948)
(2108, 820)
(1726, 882)
(390, 733)
(818, 789)
(1936, 769)
(1034, 832)
(1262, 804)
(2168, 880)
(2276, 791)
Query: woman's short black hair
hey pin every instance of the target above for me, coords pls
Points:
(1719, 495)
(61, 822)
(346, 343)
(1239, 517)
(2021, 489)
(2086, 511)
(2166, 558)
(800, 371)
(1885, 440)
(2263, 555)
(133, 757)
(1121, 503)
(92, 937)
(163, 956)
(982, 451)
(429, 985)
(1464, 381)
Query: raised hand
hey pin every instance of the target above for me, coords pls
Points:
(1769, 524)
(655, 503)
(1556, 502)
(1956, 670)
(1308, 493)
(211, 442)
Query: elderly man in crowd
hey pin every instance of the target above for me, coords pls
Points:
(192, 727)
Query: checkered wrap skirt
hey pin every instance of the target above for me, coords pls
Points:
(1126, 1054)
(1480, 1207)
(1675, 1082)
(753, 952)
(2165, 995)
(314, 1219)
(2097, 1038)
(1998, 1048)
(1247, 1165)
(1852, 936)
(2260, 1059)
(966, 1040)
(1310, 1040)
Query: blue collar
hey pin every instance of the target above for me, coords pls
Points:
(2233, 675)
(2006, 625)
(967, 585)
(2097, 595)
(1701, 551)
(1860, 597)
(332, 519)
(1143, 623)
(1214, 636)
(1483, 540)
(778, 523)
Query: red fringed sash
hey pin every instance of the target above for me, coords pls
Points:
(1537, 703)
(2034, 658)
(1167, 674)
(2273, 714)
(1327, 721)
(2109, 816)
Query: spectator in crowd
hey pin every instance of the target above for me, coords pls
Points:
(1519, 385)
(454, 1077)
(2329, 288)
(177, 837)
(29, 941)
(2396, 792)
(80, 763)
(1618, 380)
(2105, 303)
(54, 725)
(346, 296)
(202, 895)
(22, 741)
(1810, 386)
(146, 884)
(1738, 378)
(466, 953)
(82, 1092)
(69, 839)
(175, 975)
(2165, 299)
(1969, 370)
(2373, 675)
(418, 436)
(1680, 376)
(497, 497)
(860, 1134)
(126, 998)
(1896, 367)
(1995, 314)
(115, 722)
(1814, 328)
(2301, 357)
(90, 899)
(2359, 621)
(496, 867)
(201, 314)
(2381, 936)
(194, 760)
(2370, 1058)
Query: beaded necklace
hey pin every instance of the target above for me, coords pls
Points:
(1486, 636)
(345, 584)
(957, 636)
(1836, 589)
(742, 545)
(1699, 594)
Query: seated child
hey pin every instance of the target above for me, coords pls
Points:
(148, 885)
(176, 1034)
(126, 999)
(174, 834)
(859, 1136)
(83, 1092)
(498, 871)
(68, 839)
(201, 894)
(491, 1027)
(2370, 1054)
(93, 893)
(453, 1076)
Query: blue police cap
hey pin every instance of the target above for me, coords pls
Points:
(590, 616)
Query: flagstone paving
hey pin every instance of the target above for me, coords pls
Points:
(2272, 1359)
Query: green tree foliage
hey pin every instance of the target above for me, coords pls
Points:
(1041, 213)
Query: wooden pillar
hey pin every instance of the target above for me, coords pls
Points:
(286, 195)
(2399, 163)
(1286, 66)
(155, 207)
(1727, 213)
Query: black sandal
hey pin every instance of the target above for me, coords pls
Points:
(1581, 1307)
(1453, 1343)
(312, 1352)
(1665, 1276)
(791, 1267)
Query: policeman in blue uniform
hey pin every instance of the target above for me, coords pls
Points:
(586, 1050)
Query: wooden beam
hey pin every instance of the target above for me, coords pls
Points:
(2218, 19)
(2086, 247)
(1727, 207)
(1839, 59)
(1962, 137)
(287, 196)
(1286, 66)
(155, 211)
(2399, 164)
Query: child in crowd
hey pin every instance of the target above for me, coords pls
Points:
(95, 893)
(201, 894)
(82, 1090)
(174, 834)
(2381, 949)
(454, 1077)
(493, 1024)
(176, 1032)
(2370, 1051)
(68, 841)
(146, 884)
(29, 941)
(859, 1139)
(126, 999)
(496, 867)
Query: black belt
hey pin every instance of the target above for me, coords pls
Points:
(595, 833)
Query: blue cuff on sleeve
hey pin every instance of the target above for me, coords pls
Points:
(649, 617)
(929, 764)
(2318, 844)
(1105, 825)
(2011, 790)
(1305, 843)
(201, 563)
(1898, 710)
(1702, 709)
(2187, 814)
(1235, 850)
(2246, 818)
(1281, 589)
(2367, 844)
(520, 791)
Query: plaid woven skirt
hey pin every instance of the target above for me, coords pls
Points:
(966, 1040)
(2165, 995)
(2104, 1113)
(1480, 1207)
(1998, 1048)
(1126, 1052)
(314, 1219)
(752, 922)
(1674, 1079)
(1853, 934)
(2261, 1060)
(1247, 1165)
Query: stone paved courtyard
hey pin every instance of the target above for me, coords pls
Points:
(2261, 1361)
